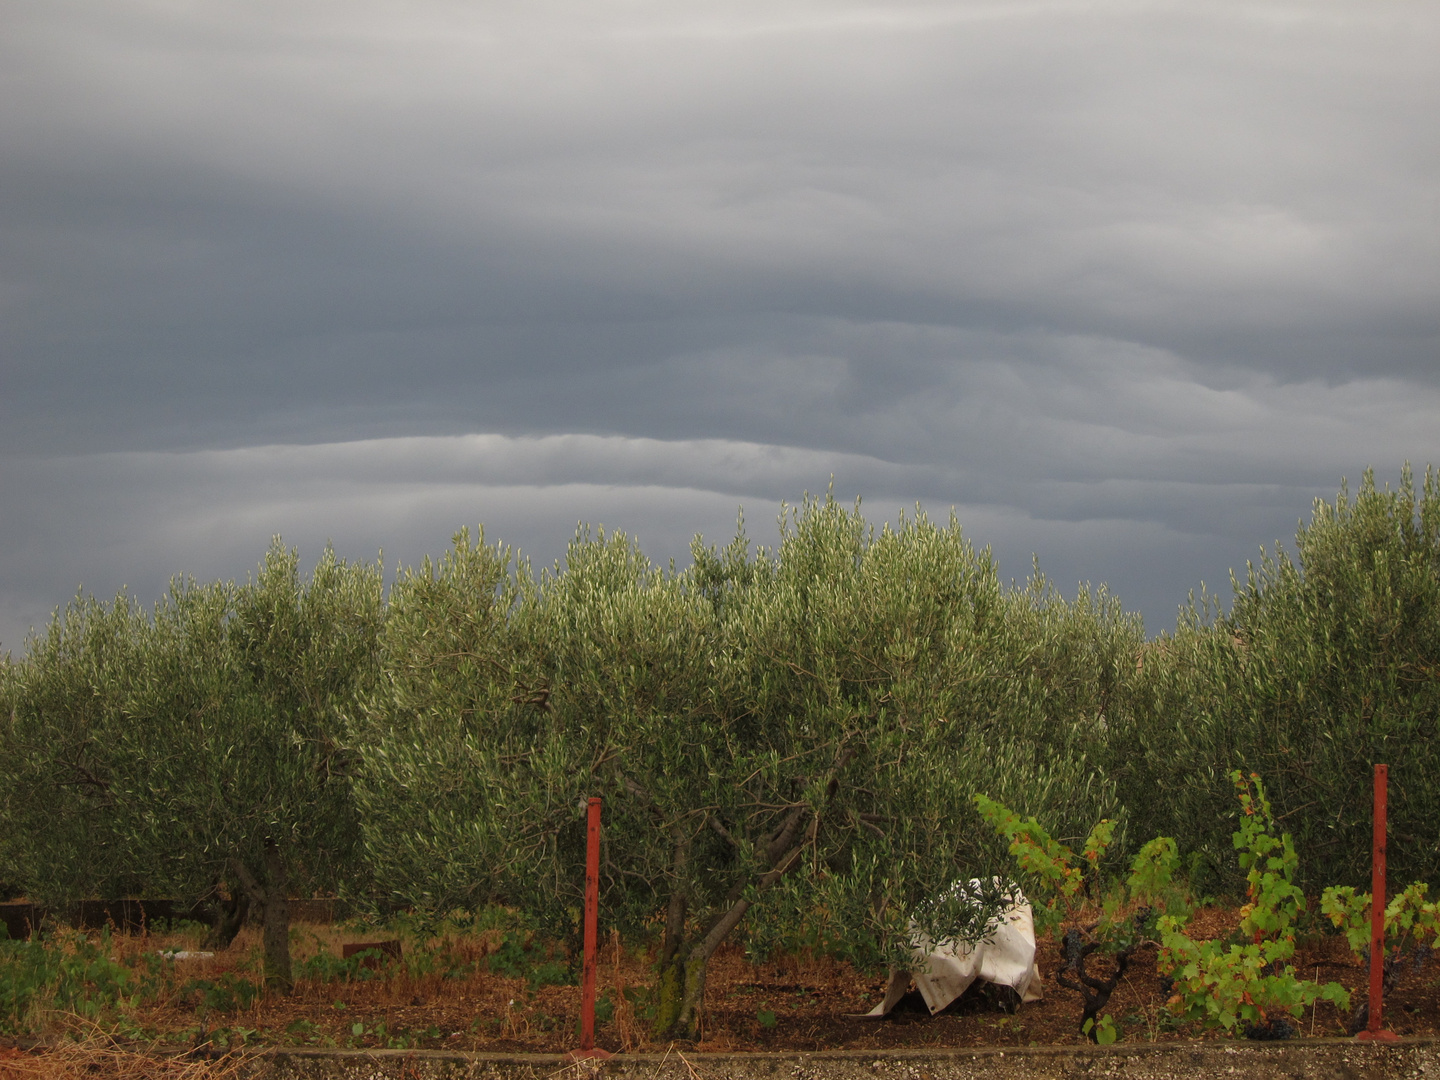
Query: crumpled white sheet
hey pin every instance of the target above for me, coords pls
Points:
(1006, 957)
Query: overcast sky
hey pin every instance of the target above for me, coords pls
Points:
(1127, 284)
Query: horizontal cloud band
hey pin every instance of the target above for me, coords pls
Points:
(136, 518)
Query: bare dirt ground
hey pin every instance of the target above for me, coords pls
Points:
(793, 1003)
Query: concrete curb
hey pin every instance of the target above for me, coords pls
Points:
(1340, 1059)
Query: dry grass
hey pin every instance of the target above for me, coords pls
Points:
(100, 1058)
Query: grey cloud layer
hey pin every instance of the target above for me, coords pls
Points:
(1046, 487)
(1127, 282)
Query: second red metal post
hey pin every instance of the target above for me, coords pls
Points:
(1376, 1003)
(592, 919)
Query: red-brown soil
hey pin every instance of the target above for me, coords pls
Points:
(792, 1003)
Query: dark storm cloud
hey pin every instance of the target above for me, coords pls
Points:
(1127, 283)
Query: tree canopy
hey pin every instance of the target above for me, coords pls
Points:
(203, 748)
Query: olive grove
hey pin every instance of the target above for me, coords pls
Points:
(197, 751)
(788, 740)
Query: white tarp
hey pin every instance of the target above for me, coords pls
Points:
(1006, 957)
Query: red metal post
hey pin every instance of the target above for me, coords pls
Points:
(592, 918)
(1376, 1003)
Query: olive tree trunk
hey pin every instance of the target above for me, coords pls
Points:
(230, 915)
(681, 989)
(274, 903)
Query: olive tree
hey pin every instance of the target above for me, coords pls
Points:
(202, 747)
(1327, 661)
(798, 730)
(450, 707)
(61, 701)
(894, 676)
